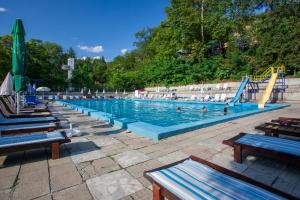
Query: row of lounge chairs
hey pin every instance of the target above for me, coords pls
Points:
(207, 98)
(219, 86)
(33, 127)
(196, 178)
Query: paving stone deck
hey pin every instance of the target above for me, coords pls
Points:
(108, 163)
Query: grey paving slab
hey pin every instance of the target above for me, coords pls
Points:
(46, 197)
(84, 156)
(64, 176)
(172, 157)
(4, 194)
(78, 192)
(105, 141)
(137, 170)
(105, 165)
(114, 185)
(30, 190)
(129, 158)
(144, 194)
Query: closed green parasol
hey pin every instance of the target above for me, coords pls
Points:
(19, 65)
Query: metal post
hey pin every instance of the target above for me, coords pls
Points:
(18, 102)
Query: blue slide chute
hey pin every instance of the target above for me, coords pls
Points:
(238, 94)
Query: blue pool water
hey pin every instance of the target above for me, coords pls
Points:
(160, 113)
(158, 119)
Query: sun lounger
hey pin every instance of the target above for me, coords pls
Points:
(195, 178)
(6, 101)
(8, 114)
(9, 144)
(279, 148)
(27, 128)
(286, 122)
(275, 129)
(4, 121)
(289, 118)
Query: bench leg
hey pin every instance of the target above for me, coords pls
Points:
(156, 192)
(268, 133)
(237, 153)
(55, 150)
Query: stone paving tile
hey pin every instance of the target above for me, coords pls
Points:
(105, 165)
(144, 194)
(64, 176)
(151, 164)
(78, 192)
(84, 156)
(129, 158)
(105, 141)
(8, 176)
(46, 197)
(4, 194)
(144, 181)
(114, 149)
(60, 161)
(288, 179)
(227, 162)
(172, 157)
(200, 151)
(137, 170)
(114, 185)
(97, 167)
(163, 151)
(30, 190)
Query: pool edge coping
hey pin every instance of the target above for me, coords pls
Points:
(158, 132)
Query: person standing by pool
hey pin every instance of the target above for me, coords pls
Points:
(225, 110)
(203, 109)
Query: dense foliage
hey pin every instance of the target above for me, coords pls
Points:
(199, 41)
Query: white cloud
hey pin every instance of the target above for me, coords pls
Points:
(123, 51)
(3, 9)
(95, 49)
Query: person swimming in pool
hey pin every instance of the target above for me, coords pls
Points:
(203, 109)
(225, 110)
(178, 109)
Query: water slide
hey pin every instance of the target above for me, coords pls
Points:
(268, 91)
(238, 94)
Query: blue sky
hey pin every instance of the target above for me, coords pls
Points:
(91, 27)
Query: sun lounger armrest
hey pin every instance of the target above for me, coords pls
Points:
(231, 141)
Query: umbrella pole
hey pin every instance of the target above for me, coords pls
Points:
(18, 102)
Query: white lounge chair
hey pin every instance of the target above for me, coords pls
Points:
(218, 86)
(206, 98)
(216, 98)
(50, 97)
(223, 97)
(225, 86)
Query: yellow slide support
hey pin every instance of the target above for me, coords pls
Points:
(269, 89)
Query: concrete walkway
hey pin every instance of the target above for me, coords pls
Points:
(108, 163)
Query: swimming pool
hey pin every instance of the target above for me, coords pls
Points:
(158, 119)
